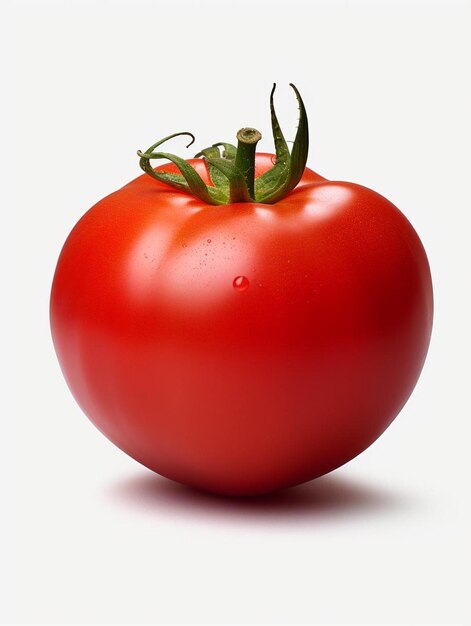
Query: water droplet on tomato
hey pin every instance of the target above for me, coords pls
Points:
(208, 240)
(240, 283)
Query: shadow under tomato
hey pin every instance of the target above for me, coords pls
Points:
(328, 497)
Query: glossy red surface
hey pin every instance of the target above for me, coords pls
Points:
(242, 348)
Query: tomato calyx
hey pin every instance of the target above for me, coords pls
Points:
(232, 172)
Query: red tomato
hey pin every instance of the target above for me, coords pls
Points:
(245, 347)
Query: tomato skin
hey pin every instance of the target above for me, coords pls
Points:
(242, 387)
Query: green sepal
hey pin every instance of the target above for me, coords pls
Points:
(189, 180)
(288, 169)
(268, 182)
(217, 177)
(229, 151)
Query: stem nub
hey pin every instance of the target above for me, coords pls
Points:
(249, 135)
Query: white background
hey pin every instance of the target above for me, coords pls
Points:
(88, 535)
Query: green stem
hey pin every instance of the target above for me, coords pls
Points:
(245, 162)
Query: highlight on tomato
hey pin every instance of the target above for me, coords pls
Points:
(237, 322)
